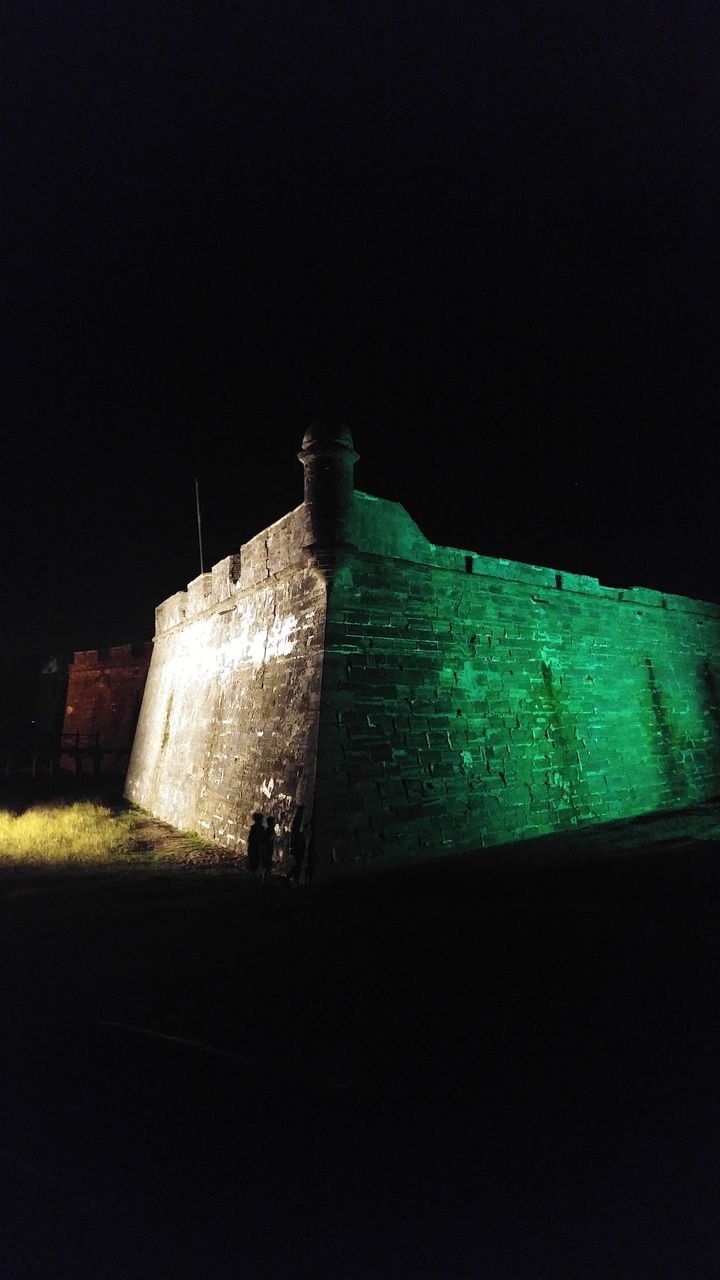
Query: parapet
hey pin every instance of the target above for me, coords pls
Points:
(171, 612)
(383, 528)
(338, 519)
(119, 655)
(270, 554)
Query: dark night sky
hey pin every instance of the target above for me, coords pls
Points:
(485, 234)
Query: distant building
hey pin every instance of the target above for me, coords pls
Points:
(416, 698)
(32, 695)
(104, 696)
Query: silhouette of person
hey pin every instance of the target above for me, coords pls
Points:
(255, 843)
(297, 846)
(267, 849)
(309, 869)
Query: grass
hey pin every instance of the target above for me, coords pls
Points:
(63, 833)
(79, 834)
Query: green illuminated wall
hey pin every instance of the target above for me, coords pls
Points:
(467, 701)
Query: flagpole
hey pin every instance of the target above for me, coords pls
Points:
(197, 505)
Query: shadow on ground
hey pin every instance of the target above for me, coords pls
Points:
(502, 1065)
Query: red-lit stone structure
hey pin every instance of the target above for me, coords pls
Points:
(104, 696)
(413, 697)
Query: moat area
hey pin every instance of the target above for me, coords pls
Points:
(498, 1066)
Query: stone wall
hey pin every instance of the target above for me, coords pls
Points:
(469, 700)
(104, 695)
(229, 719)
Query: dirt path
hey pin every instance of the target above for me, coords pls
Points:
(164, 843)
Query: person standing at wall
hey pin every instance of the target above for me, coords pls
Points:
(267, 849)
(297, 847)
(255, 843)
(309, 866)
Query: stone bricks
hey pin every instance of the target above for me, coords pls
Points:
(569, 671)
(229, 720)
(416, 697)
(104, 695)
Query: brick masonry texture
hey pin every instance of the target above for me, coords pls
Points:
(229, 719)
(468, 701)
(104, 693)
(417, 698)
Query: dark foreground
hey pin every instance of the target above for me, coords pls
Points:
(504, 1066)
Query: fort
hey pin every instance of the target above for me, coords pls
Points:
(416, 698)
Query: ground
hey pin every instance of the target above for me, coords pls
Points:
(499, 1066)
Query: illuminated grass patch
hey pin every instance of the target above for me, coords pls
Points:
(81, 833)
